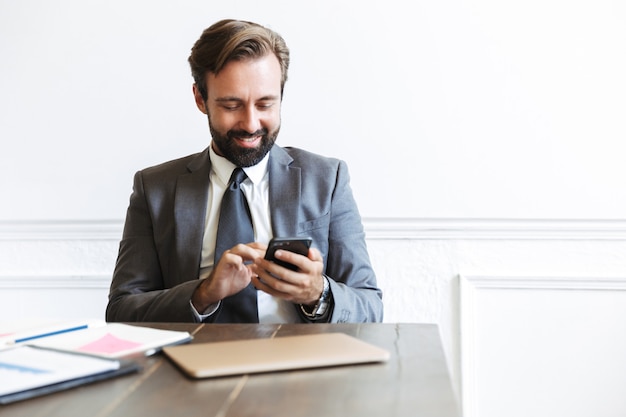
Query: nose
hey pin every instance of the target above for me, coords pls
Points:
(251, 120)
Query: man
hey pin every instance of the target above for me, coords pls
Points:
(167, 267)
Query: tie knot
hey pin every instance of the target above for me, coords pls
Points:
(237, 177)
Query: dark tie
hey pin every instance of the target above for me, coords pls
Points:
(235, 226)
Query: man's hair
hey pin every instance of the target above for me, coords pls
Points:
(234, 40)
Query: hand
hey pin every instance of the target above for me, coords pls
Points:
(231, 275)
(303, 286)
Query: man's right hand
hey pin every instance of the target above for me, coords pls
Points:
(231, 275)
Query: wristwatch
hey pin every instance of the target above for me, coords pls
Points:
(322, 304)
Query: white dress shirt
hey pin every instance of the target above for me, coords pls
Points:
(256, 190)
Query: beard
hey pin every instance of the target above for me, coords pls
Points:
(243, 157)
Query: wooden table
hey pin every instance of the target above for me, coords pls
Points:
(415, 382)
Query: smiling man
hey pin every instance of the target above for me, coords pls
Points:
(170, 266)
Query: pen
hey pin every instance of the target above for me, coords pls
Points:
(49, 333)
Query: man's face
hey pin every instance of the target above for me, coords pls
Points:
(243, 107)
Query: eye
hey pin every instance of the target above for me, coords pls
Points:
(230, 107)
(265, 105)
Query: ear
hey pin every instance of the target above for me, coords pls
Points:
(200, 103)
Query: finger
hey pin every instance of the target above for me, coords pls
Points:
(275, 273)
(315, 255)
(246, 253)
(297, 260)
(258, 246)
(267, 284)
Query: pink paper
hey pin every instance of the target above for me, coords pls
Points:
(109, 344)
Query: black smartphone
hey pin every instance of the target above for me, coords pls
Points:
(298, 245)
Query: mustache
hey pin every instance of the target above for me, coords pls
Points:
(244, 134)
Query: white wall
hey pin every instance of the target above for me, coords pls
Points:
(483, 139)
(481, 108)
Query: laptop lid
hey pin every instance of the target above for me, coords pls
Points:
(205, 360)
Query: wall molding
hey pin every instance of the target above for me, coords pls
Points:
(524, 229)
(55, 281)
(475, 283)
(61, 230)
(376, 228)
(470, 286)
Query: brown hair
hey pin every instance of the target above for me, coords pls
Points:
(232, 40)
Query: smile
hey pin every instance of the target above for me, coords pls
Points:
(249, 139)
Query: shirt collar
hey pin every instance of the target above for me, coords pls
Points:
(223, 168)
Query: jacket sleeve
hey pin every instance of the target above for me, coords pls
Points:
(138, 291)
(353, 286)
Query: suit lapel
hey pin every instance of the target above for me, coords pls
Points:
(189, 215)
(284, 193)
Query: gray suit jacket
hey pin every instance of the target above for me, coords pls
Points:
(159, 255)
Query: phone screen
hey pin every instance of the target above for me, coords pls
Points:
(298, 245)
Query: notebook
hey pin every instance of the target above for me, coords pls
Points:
(206, 360)
(29, 371)
(113, 340)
